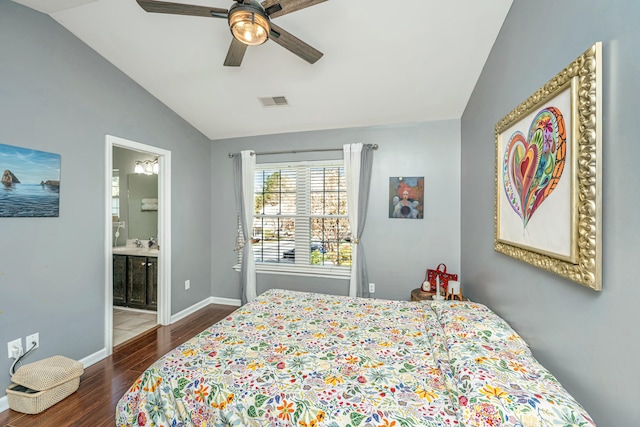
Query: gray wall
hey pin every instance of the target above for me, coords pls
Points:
(589, 340)
(398, 250)
(58, 95)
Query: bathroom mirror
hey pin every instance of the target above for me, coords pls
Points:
(142, 201)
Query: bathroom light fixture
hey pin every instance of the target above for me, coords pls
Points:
(139, 168)
(147, 167)
(249, 23)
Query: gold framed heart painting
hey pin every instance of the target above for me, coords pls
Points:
(547, 174)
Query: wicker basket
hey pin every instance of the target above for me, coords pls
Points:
(40, 385)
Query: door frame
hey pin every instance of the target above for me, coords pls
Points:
(164, 232)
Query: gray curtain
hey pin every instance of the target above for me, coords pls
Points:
(366, 166)
(237, 180)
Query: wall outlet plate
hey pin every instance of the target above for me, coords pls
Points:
(31, 339)
(187, 284)
(372, 288)
(12, 346)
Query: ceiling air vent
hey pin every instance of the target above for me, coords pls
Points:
(274, 101)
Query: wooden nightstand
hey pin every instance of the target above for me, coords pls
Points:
(419, 295)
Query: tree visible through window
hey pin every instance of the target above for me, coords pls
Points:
(301, 215)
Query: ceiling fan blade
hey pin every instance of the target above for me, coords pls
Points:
(182, 9)
(235, 53)
(275, 8)
(294, 44)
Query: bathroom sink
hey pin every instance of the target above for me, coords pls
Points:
(134, 250)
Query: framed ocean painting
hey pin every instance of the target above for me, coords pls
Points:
(548, 175)
(30, 182)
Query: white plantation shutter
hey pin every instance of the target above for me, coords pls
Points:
(300, 223)
(302, 228)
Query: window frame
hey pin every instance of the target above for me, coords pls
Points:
(308, 270)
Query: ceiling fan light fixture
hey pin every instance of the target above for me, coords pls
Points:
(249, 24)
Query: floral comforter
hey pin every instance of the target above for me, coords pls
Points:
(304, 359)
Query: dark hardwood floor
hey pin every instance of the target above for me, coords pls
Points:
(104, 383)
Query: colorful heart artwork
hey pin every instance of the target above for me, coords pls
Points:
(532, 166)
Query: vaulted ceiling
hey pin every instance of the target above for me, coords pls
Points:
(385, 62)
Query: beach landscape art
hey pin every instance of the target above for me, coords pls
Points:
(30, 182)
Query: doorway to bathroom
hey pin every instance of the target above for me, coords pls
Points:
(137, 233)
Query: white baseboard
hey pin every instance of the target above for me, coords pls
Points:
(190, 310)
(4, 403)
(93, 358)
(202, 304)
(226, 301)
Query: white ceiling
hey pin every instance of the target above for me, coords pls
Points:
(385, 62)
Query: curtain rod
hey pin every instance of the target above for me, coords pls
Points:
(374, 146)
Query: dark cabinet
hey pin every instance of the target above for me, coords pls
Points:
(119, 280)
(152, 283)
(139, 281)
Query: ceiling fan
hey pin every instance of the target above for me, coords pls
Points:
(250, 24)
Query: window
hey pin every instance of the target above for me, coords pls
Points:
(115, 194)
(300, 219)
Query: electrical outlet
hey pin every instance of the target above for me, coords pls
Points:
(372, 288)
(31, 339)
(14, 348)
(187, 284)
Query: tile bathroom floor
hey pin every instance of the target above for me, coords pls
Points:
(128, 324)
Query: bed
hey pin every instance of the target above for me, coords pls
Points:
(305, 359)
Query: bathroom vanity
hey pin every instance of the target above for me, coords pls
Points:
(135, 278)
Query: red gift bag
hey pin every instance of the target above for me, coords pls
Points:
(440, 271)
